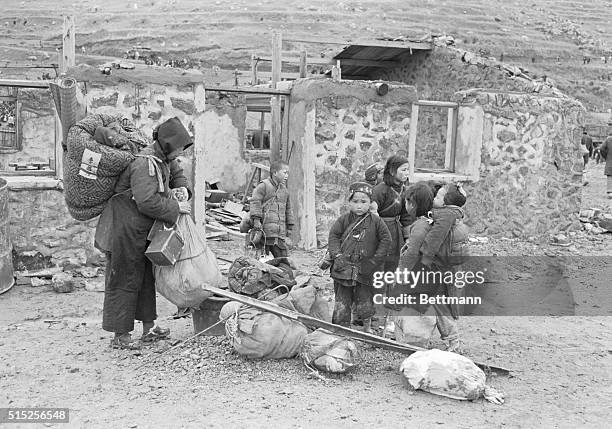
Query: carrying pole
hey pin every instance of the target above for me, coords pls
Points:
(313, 322)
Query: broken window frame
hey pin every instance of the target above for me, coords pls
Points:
(55, 170)
(451, 138)
(16, 146)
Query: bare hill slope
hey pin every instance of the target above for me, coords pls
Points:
(547, 36)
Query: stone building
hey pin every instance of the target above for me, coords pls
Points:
(513, 141)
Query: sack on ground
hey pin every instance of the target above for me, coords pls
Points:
(444, 373)
(183, 283)
(308, 300)
(416, 329)
(256, 334)
(328, 352)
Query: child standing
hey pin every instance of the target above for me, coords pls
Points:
(358, 243)
(271, 212)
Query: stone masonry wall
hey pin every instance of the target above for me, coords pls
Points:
(439, 73)
(531, 169)
(40, 222)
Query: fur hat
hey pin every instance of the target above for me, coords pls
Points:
(455, 195)
(172, 135)
(363, 187)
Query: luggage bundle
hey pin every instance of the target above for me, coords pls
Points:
(91, 169)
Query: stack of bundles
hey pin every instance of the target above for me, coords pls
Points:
(184, 283)
(328, 352)
(257, 334)
(248, 276)
(92, 165)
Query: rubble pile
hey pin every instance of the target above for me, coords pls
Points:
(594, 221)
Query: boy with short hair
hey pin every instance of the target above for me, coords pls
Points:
(271, 211)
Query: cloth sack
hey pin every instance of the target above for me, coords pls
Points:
(415, 328)
(308, 300)
(444, 373)
(328, 352)
(184, 283)
(256, 334)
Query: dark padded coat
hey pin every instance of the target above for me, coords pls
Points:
(272, 206)
(606, 153)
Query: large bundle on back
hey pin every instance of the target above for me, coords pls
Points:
(91, 169)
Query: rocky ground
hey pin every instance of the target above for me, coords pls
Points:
(55, 354)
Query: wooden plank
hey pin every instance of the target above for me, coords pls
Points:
(303, 65)
(433, 103)
(68, 44)
(59, 150)
(333, 61)
(24, 83)
(253, 70)
(275, 129)
(285, 129)
(276, 58)
(414, 123)
(364, 42)
(200, 164)
(449, 141)
(455, 114)
(246, 90)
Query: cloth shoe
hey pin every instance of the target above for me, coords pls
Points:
(155, 333)
(125, 342)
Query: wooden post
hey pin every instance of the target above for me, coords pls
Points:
(200, 161)
(303, 66)
(285, 129)
(414, 123)
(68, 44)
(275, 123)
(254, 70)
(339, 76)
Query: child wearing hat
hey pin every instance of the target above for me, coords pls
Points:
(358, 243)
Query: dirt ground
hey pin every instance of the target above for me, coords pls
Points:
(55, 354)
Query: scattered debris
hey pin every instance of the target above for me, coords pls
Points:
(63, 283)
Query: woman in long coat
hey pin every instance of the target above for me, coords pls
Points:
(142, 196)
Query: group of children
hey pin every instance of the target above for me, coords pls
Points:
(389, 225)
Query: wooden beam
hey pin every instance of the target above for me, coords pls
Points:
(285, 129)
(303, 66)
(248, 90)
(433, 103)
(448, 153)
(24, 83)
(414, 123)
(276, 58)
(200, 162)
(364, 42)
(275, 105)
(253, 70)
(68, 44)
(275, 129)
(333, 61)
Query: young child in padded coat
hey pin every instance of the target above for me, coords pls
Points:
(358, 243)
(439, 241)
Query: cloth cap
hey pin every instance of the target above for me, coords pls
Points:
(372, 171)
(366, 188)
(455, 195)
(172, 135)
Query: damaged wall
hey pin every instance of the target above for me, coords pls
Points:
(530, 165)
(339, 128)
(439, 73)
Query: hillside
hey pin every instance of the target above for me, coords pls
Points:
(548, 37)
